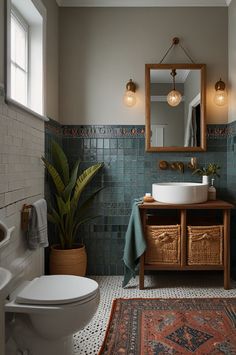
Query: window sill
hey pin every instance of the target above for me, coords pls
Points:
(10, 101)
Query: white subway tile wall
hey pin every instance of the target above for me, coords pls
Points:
(21, 181)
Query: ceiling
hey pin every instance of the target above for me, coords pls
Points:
(141, 3)
(164, 77)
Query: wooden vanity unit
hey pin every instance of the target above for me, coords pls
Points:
(186, 237)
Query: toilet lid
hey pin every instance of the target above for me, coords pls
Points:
(57, 289)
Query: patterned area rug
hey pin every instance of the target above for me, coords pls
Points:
(171, 326)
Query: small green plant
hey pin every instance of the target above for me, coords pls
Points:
(67, 212)
(210, 170)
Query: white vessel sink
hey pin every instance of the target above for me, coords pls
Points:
(5, 278)
(180, 192)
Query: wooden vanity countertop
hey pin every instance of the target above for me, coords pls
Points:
(216, 204)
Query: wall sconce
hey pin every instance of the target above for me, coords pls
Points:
(220, 97)
(129, 96)
(174, 97)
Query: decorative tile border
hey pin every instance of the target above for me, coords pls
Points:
(53, 127)
(232, 127)
(103, 131)
(219, 131)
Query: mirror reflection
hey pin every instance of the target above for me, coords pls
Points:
(175, 107)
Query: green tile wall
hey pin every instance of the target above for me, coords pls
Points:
(231, 187)
(129, 172)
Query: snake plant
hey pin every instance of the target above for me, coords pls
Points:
(67, 211)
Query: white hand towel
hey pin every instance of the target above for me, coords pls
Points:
(37, 234)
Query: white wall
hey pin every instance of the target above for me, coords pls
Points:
(232, 61)
(173, 121)
(192, 88)
(52, 59)
(1, 41)
(171, 118)
(102, 48)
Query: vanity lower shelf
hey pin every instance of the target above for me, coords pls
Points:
(191, 242)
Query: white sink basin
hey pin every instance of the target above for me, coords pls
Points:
(5, 234)
(180, 192)
(5, 278)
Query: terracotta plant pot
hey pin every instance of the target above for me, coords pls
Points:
(68, 261)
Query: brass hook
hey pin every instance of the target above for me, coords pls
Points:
(25, 214)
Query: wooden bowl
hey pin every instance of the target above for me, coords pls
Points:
(148, 199)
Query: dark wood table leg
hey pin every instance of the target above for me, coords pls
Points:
(142, 258)
(226, 219)
(141, 273)
(183, 239)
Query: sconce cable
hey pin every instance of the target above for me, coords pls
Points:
(176, 41)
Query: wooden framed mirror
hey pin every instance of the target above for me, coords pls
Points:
(175, 107)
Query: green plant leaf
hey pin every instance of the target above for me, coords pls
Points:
(58, 183)
(72, 182)
(60, 161)
(210, 170)
(198, 172)
(82, 221)
(83, 210)
(63, 207)
(83, 181)
(55, 219)
(69, 221)
(52, 219)
(66, 212)
(213, 169)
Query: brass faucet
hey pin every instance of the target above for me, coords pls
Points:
(163, 165)
(175, 165)
(178, 165)
(192, 164)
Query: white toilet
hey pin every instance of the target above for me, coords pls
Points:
(48, 310)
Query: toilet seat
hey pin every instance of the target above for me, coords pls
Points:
(57, 290)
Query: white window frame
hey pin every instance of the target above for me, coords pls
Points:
(42, 11)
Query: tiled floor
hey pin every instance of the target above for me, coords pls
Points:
(161, 285)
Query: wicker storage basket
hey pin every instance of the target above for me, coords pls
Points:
(163, 244)
(68, 261)
(205, 245)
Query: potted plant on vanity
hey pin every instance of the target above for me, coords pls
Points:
(210, 170)
(67, 212)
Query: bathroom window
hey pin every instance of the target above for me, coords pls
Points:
(19, 58)
(25, 55)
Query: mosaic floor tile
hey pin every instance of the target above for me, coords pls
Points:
(162, 285)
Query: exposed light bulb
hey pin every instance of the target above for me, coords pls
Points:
(220, 97)
(129, 98)
(174, 98)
